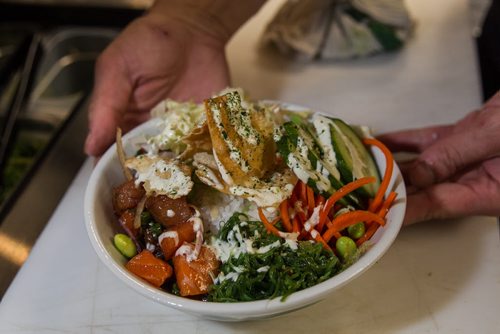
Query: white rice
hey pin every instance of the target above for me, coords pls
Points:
(216, 207)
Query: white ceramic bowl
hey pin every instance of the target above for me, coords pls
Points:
(101, 227)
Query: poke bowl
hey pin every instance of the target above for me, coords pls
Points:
(308, 217)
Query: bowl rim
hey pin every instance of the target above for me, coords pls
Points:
(241, 310)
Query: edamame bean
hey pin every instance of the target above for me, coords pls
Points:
(357, 230)
(125, 245)
(346, 247)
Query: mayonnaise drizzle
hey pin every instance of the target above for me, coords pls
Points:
(234, 152)
(169, 234)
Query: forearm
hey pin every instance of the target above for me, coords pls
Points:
(219, 18)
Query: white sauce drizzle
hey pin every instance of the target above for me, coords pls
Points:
(186, 250)
(226, 177)
(301, 166)
(263, 269)
(234, 153)
(161, 177)
(169, 234)
(241, 121)
(322, 126)
(314, 219)
(150, 247)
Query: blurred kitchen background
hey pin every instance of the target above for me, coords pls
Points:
(47, 53)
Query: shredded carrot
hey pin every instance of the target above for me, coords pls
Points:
(303, 201)
(350, 218)
(303, 192)
(270, 227)
(285, 218)
(389, 165)
(336, 196)
(304, 235)
(320, 199)
(373, 227)
(310, 199)
(321, 224)
(336, 234)
(296, 224)
(368, 234)
(318, 238)
(382, 212)
(292, 198)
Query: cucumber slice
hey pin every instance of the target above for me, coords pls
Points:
(304, 154)
(353, 159)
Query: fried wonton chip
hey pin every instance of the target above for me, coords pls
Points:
(243, 158)
(197, 141)
(161, 177)
(267, 192)
(242, 138)
(208, 172)
(270, 191)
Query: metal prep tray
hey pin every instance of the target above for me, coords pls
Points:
(49, 130)
(62, 78)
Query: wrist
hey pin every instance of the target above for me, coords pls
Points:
(219, 19)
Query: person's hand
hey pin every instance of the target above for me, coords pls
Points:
(176, 50)
(457, 170)
(152, 59)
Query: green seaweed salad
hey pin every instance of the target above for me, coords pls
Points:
(267, 266)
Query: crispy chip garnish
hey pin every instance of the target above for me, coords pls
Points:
(208, 173)
(244, 153)
(266, 192)
(197, 141)
(242, 138)
(269, 192)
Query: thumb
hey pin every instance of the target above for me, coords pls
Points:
(108, 104)
(472, 140)
(493, 102)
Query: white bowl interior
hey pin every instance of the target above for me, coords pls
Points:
(101, 225)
